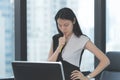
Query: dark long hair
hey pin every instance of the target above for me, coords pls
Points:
(67, 13)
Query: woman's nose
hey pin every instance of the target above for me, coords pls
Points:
(63, 27)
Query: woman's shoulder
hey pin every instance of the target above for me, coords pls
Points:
(56, 36)
(84, 37)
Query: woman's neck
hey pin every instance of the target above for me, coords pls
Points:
(68, 36)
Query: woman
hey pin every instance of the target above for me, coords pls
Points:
(68, 45)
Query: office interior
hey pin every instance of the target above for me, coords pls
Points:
(26, 28)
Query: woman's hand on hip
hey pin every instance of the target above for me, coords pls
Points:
(78, 75)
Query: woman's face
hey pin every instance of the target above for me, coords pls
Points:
(65, 26)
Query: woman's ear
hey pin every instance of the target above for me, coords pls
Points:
(74, 21)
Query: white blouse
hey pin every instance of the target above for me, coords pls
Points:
(72, 51)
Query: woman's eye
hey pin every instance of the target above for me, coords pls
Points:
(66, 25)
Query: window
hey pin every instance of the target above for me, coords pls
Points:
(40, 22)
(113, 25)
(6, 37)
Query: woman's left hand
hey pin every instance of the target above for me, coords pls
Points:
(78, 75)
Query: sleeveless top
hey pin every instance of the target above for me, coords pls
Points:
(71, 53)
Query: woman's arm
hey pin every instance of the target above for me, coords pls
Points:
(104, 61)
(54, 55)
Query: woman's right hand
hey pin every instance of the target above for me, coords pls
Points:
(54, 55)
(62, 41)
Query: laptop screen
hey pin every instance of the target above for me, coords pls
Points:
(24, 70)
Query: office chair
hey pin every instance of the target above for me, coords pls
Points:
(112, 72)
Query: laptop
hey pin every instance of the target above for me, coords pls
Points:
(25, 70)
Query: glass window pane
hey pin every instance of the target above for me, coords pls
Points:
(41, 26)
(86, 22)
(6, 37)
(113, 25)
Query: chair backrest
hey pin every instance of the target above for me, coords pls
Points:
(112, 72)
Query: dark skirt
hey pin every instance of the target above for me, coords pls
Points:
(68, 68)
